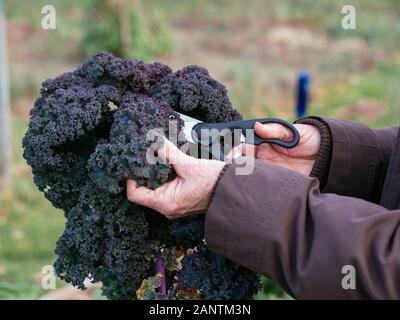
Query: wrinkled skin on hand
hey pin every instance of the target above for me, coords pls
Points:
(86, 137)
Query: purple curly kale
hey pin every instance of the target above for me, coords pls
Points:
(193, 92)
(232, 281)
(86, 136)
(123, 155)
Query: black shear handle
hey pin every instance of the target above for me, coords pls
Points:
(249, 124)
(258, 140)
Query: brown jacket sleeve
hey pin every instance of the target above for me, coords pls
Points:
(353, 158)
(276, 222)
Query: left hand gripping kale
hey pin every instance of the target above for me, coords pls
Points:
(86, 136)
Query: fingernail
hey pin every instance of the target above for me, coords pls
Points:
(259, 124)
(132, 183)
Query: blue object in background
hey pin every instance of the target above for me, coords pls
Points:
(303, 92)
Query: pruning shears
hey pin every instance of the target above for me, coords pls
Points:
(207, 134)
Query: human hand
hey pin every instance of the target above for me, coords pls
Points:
(300, 158)
(188, 193)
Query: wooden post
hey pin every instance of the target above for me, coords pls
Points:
(5, 120)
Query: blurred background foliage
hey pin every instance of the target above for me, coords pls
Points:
(255, 47)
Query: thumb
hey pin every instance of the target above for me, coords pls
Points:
(273, 131)
(170, 153)
(140, 195)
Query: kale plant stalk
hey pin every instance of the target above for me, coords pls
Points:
(86, 137)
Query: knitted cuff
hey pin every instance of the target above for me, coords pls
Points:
(322, 163)
(216, 184)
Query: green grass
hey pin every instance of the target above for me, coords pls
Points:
(377, 21)
(381, 85)
(29, 228)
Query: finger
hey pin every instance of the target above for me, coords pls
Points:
(235, 152)
(249, 150)
(140, 195)
(170, 152)
(160, 199)
(181, 162)
(242, 150)
(273, 131)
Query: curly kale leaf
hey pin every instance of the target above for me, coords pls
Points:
(192, 91)
(216, 277)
